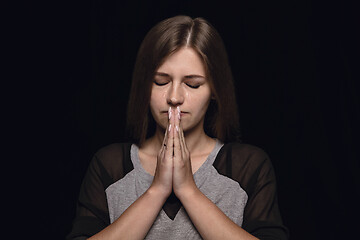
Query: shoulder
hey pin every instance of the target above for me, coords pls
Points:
(112, 151)
(245, 148)
(244, 163)
(245, 154)
(114, 159)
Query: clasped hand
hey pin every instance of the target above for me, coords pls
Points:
(173, 169)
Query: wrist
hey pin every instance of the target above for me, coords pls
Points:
(188, 193)
(157, 193)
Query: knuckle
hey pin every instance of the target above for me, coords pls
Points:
(165, 163)
(180, 163)
(186, 151)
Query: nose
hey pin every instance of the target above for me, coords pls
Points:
(175, 95)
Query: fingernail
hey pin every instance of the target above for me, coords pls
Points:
(178, 113)
(169, 112)
(169, 127)
(177, 128)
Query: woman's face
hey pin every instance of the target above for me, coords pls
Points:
(181, 81)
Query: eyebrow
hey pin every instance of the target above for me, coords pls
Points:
(162, 74)
(191, 76)
(194, 76)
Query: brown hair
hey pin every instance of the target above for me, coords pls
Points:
(168, 36)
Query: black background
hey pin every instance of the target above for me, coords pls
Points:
(295, 70)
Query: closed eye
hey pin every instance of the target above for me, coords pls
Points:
(193, 86)
(160, 83)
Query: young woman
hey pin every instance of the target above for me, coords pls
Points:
(184, 176)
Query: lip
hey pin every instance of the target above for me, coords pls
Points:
(181, 113)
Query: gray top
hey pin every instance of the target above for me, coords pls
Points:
(221, 190)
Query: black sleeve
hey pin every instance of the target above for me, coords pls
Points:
(92, 212)
(106, 167)
(262, 216)
(251, 167)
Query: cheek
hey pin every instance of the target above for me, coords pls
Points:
(188, 97)
(164, 94)
(157, 104)
(204, 105)
(157, 97)
(200, 101)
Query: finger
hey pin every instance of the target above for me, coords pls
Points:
(161, 156)
(177, 142)
(182, 138)
(163, 145)
(165, 137)
(162, 151)
(170, 138)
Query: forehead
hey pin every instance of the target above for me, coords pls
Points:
(184, 61)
